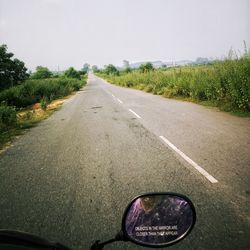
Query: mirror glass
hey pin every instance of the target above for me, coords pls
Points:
(158, 219)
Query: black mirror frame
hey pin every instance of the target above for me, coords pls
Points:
(128, 238)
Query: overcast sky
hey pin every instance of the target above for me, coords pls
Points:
(63, 33)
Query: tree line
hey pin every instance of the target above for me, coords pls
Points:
(13, 71)
(110, 69)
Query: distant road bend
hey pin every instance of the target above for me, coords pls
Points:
(69, 179)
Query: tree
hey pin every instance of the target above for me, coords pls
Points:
(146, 67)
(111, 70)
(95, 69)
(127, 70)
(12, 71)
(41, 73)
(72, 73)
(82, 72)
(201, 60)
(86, 67)
(125, 64)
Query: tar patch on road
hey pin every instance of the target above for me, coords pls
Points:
(96, 107)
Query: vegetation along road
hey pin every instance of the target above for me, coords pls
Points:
(69, 178)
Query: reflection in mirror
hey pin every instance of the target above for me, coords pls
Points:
(159, 219)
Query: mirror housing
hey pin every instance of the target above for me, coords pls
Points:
(158, 219)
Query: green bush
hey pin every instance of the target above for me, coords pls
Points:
(72, 73)
(146, 67)
(7, 117)
(33, 91)
(41, 73)
(111, 70)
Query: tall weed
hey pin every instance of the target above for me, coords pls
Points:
(32, 91)
(225, 83)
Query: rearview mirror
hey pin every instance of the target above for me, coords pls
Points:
(158, 219)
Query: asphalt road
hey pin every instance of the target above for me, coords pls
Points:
(70, 178)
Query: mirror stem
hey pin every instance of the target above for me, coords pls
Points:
(98, 246)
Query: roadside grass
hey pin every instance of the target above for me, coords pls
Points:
(25, 105)
(28, 118)
(224, 84)
(220, 106)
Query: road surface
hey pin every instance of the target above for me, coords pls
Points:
(70, 178)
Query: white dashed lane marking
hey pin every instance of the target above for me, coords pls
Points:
(133, 112)
(190, 161)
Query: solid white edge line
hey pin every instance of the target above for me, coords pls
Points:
(133, 112)
(119, 100)
(190, 161)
